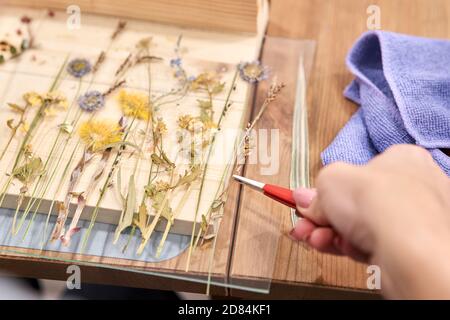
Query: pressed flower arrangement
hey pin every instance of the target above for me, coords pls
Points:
(89, 102)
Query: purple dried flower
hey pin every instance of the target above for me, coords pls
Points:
(253, 72)
(79, 67)
(175, 62)
(91, 101)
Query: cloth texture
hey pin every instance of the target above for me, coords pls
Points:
(402, 85)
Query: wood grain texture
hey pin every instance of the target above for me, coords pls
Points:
(231, 15)
(200, 262)
(162, 275)
(335, 25)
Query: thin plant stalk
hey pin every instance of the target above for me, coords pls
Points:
(105, 187)
(34, 124)
(60, 183)
(169, 223)
(222, 115)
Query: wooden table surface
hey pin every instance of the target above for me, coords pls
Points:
(300, 272)
(334, 24)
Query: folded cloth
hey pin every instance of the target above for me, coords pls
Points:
(402, 84)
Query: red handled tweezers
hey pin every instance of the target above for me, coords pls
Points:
(277, 193)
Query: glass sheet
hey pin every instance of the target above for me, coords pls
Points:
(171, 252)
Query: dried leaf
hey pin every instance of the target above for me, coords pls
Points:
(129, 209)
(158, 200)
(10, 124)
(16, 107)
(216, 205)
(140, 219)
(204, 224)
(204, 104)
(190, 176)
(162, 160)
(218, 88)
(29, 171)
(66, 127)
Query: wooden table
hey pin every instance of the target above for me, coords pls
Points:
(335, 24)
(299, 272)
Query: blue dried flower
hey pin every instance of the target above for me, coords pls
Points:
(252, 72)
(91, 101)
(79, 67)
(175, 62)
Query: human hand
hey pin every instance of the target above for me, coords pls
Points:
(393, 212)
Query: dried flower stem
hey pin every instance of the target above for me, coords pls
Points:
(14, 131)
(170, 223)
(205, 167)
(222, 190)
(149, 229)
(44, 186)
(119, 28)
(33, 126)
(60, 184)
(106, 185)
(82, 198)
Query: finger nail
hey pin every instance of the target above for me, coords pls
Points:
(303, 196)
(306, 237)
(291, 235)
(337, 242)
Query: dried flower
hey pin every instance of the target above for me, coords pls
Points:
(98, 134)
(252, 72)
(55, 100)
(33, 99)
(208, 81)
(175, 62)
(184, 121)
(91, 101)
(79, 67)
(161, 127)
(25, 19)
(159, 186)
(134, 105)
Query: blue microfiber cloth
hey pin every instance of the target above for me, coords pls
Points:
(402, 84)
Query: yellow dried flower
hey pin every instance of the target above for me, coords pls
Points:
(97, 134)
(32, 98)
(161, 127)
(184, 121)
(196, 124)
(207, 81)
(134, 105)
(56, 99)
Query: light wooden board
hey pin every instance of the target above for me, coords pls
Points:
(299, 272)
(207, 56)
(231, 15)
(202, 51)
